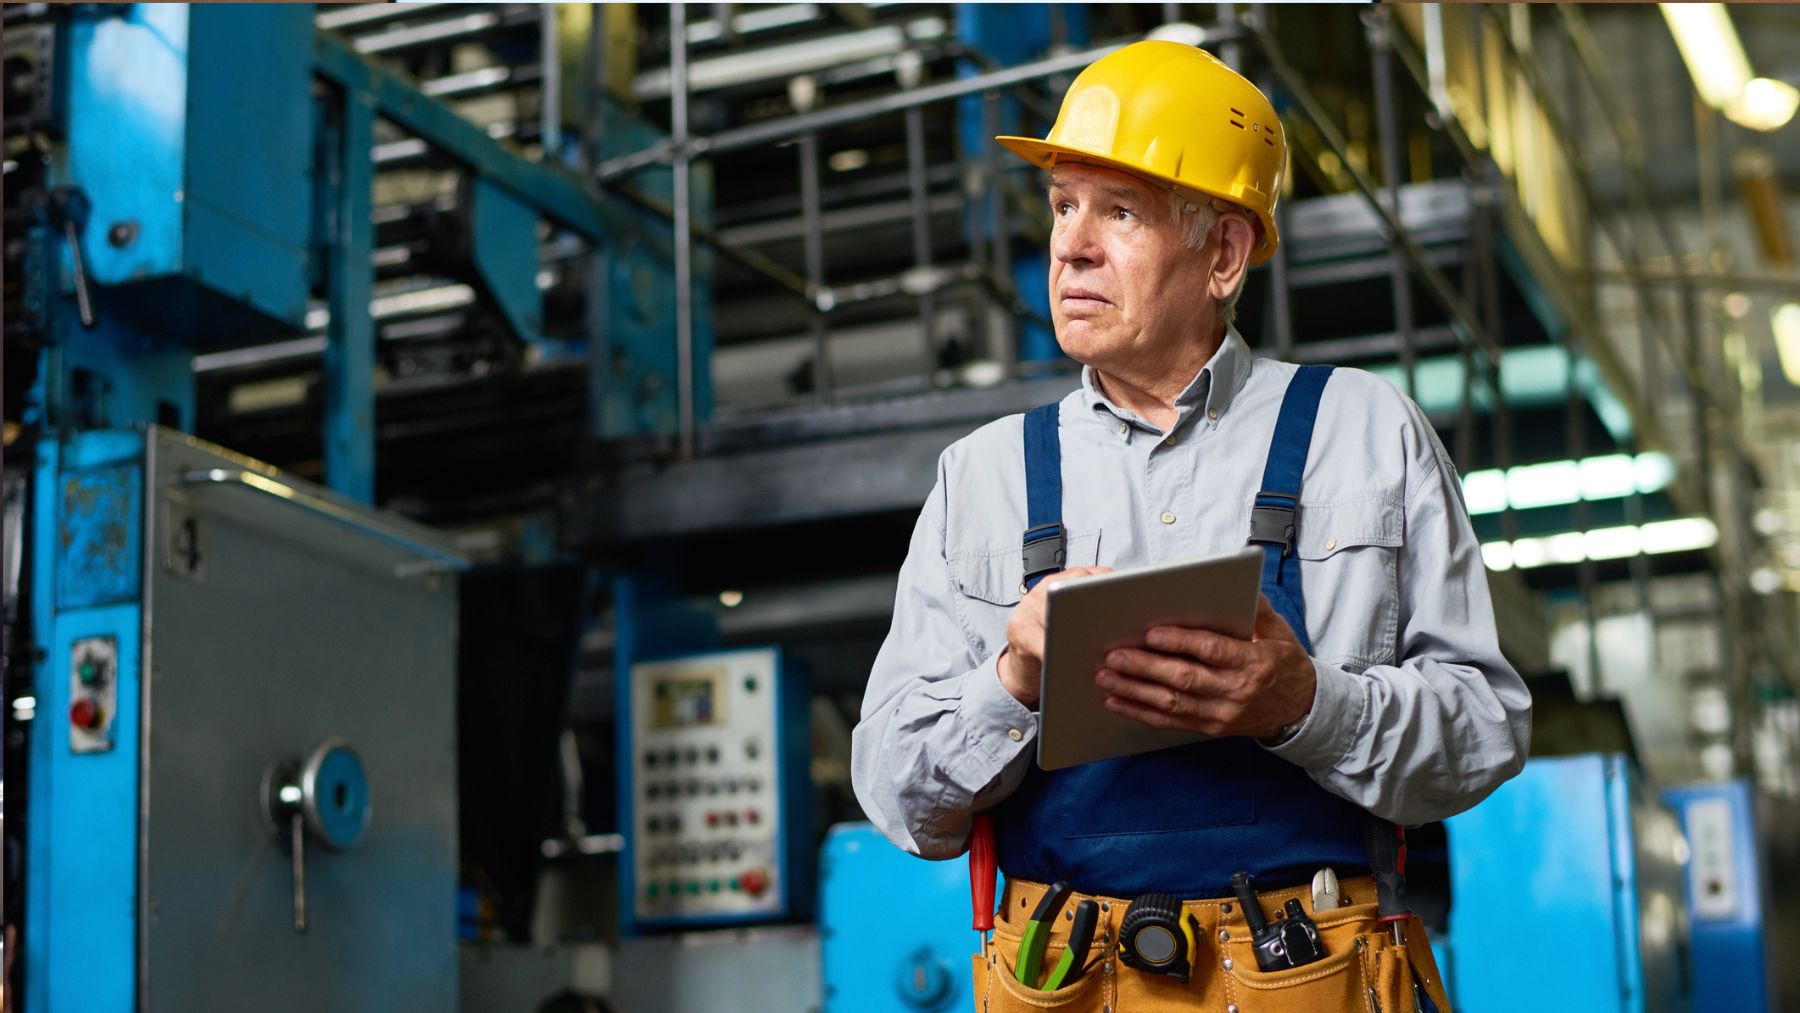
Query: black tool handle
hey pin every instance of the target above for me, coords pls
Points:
(1052, 902)
(1387, 857)
(1081, 935)
(1253, 912)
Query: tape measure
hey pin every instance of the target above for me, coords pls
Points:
(1156, 937)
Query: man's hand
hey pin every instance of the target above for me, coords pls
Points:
(1202, 681)
(1022, 660)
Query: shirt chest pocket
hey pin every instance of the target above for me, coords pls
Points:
(1349, 552)
(990, 580)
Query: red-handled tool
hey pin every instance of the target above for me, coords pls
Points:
(981, 874)
(1387, 862)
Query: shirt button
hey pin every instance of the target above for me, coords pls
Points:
(1213, 414)
(1330, 543)
(1124, 427)
(1169, 441)
(1014, 734)
(1168, 518)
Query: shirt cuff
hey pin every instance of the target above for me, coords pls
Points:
(1333, 724)
(999, 725)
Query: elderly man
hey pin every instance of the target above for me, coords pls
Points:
(1373, 688)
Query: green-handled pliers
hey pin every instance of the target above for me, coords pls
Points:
(1081, 937)
(1030, 958)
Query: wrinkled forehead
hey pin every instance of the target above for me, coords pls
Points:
(1068, 174)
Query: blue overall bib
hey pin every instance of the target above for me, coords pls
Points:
(1182, 820)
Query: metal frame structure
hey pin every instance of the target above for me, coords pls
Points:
(1503, 239)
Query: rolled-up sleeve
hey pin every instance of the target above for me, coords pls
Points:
(1436, 733)
(940, 737)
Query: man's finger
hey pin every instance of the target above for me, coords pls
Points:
(1169, 670)
(1215, 649)
(1072, 573)
(1269, 623)
(1151, 716)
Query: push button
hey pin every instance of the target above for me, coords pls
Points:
(85, 714)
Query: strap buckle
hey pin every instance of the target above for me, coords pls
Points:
(1045, 550)
(1273, 523)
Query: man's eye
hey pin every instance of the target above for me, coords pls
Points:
(1060, 207)
(1121, 211)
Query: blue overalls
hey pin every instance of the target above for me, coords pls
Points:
(1182, 820)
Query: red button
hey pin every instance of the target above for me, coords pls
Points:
(712, 819)
(731, 819)
(752, 816)
(753, 882)
(84, 714)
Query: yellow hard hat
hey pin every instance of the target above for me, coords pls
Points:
(1177, 115)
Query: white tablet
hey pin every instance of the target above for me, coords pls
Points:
(1088, 617)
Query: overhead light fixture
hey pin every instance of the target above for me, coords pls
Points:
(1766, 104)
(1559, 483)
(1786, 321)
(1680, 534)
(1715, 58)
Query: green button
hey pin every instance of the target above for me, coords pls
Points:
(693, 887)
(734, 883)
(653, 889)
(713, 886)
(88, 673)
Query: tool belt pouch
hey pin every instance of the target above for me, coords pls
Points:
(997, 991)
(1365, 971)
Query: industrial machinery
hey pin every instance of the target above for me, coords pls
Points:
(1574, 869)
(1729, 895)
(715, 790)
(245, 783)
(915, 956)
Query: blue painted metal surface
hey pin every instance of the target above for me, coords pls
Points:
(894, 931)
(506, 255)
(350, 339)
(632, 373)
(1565, 887)
(81, 886)
(1729, 896)
(189, 129)
(99, 549)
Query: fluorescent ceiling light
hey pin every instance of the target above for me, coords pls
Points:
(1786, 321)
(1547, 484)
(1497, 555)
(1559, 483)
(1682, 534)
(1765, 104)
(1715, 58)
(1709, 46)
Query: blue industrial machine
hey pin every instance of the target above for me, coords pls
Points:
(1728, 896)
(894, 930)
(715, 790)
(1566, 894)
(243, 765)
(243, 784)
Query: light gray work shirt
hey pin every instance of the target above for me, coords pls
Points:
(1417, 716)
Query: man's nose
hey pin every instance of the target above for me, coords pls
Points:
(1074, 239)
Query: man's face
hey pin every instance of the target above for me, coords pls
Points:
(1123, 285)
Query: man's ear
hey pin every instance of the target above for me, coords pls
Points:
(1236, 240)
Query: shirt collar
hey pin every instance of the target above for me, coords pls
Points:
(1212, 389)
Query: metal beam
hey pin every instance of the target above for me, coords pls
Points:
(558, 195)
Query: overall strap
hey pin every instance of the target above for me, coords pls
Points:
(1274, 517)
(1045, 544)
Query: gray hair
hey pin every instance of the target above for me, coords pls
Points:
(1197, 222)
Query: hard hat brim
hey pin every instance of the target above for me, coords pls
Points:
(1045, 155)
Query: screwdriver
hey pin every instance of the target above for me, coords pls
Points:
(1387, 863)
(981, 876)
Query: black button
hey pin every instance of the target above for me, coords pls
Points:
(712, 754)
(693, 755)
(649, 758)
(652, 790)
(749, 683)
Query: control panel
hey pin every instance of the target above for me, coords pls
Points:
(715, 745)
(93, 693)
